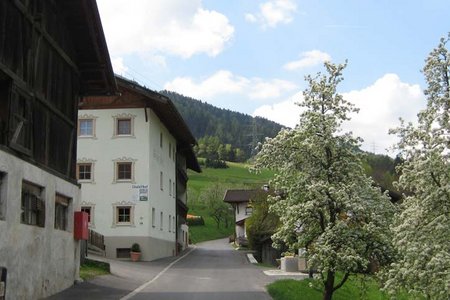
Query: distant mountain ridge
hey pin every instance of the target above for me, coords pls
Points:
(240, 130)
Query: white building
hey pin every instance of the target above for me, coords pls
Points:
(133, 151)
(51, 53)
(240, 201)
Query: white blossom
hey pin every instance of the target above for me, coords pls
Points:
(344, 218)
(422, 228)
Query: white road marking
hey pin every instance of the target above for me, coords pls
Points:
(146, 284)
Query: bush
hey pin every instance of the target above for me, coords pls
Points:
(215, 164)
(135, 248)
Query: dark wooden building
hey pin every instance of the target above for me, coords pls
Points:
(51, 54)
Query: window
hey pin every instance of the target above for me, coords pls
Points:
(86, 127)
(174, 190)
(123, 126)
(174, 224)
(160, 140)
(170, 223)
(124, 171)
(248, 210)
(123, 252)
(2, 196)
(153, 217)
(20, 123)
(161, 183)
(61, 212)
(33, 206)
(161, 221)
(170, 150)
(88, 210)
(170, 187)
(84, 171)
(123, 214)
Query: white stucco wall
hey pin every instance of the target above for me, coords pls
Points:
(143, 148)
(240, 211)
(40, 261)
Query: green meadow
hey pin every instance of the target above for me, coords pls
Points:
(237, 176)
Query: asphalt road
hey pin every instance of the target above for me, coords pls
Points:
(213, 270)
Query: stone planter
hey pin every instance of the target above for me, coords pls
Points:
(302, 265)
(289, 264)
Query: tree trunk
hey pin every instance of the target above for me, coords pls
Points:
(329, 286)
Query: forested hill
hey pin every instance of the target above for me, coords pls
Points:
(236, 129)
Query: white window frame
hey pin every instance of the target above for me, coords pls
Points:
(91, 207)
(93, 119)
(124, 160)
(124, 116)
(123, 204)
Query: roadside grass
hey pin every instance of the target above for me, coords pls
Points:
(355, 288)
(236, 176)
(92, 268)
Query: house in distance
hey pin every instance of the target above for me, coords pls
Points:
(133, 152)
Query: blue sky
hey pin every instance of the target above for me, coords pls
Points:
(251, 56)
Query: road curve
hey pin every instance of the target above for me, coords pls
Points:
(213, 271)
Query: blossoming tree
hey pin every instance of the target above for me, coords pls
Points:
(326, 203)
(422, 228)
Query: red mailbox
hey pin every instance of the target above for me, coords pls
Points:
(81, 222)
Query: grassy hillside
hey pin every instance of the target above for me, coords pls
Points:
(236, 176)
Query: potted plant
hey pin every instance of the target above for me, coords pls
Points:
(135, 252)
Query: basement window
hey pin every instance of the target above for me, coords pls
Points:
(123, 252)
(33, 205)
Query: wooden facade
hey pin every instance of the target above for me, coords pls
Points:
(51, 53)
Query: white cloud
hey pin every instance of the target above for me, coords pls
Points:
(175, 27)
(286, 112)
(251, 18)
(273, 12)
(261, 89)
(380, 104)
(225, 82)
(118, 65)
(308, 59)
